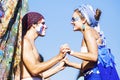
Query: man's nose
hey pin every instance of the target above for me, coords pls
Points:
(46, 27)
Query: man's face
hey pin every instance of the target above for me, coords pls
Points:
(41, 28)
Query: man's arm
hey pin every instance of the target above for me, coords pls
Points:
(33, 65)
(72, 64)
(53, 70)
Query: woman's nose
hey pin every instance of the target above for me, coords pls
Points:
(72, 22)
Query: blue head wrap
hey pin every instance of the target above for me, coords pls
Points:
(88, 12)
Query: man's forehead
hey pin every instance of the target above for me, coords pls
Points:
(43, 20)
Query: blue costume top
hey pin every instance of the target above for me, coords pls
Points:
(106, 64)
(104, 68)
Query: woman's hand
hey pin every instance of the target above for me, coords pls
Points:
(64, 49)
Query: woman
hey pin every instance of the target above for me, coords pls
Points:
(94, 53)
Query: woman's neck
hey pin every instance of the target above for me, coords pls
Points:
(86, 27)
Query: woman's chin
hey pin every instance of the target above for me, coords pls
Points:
(75, 30)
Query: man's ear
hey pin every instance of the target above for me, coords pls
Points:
(34, 25)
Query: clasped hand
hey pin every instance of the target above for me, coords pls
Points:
(64, 49)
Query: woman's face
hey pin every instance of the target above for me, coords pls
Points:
(76, 22)
(41, 28)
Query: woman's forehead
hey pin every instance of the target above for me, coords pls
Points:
(75, 14)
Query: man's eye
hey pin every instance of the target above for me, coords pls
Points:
(43, 23)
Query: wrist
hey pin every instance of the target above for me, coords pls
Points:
(60, 57)
(59, 67)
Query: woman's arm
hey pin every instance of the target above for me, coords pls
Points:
(92, 48)
(85, 56)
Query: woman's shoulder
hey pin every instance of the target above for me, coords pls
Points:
(89, 34)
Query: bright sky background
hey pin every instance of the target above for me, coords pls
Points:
(58, 15)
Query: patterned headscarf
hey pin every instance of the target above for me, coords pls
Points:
(1, 11)
(29, 19)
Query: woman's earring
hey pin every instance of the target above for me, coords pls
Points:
(83, 27)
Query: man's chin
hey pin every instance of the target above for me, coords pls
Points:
(41, 35)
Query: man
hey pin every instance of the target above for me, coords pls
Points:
(33, 25)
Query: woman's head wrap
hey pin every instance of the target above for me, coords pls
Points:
(89, 13)
(31, 18)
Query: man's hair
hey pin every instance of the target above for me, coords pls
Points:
(29, 19)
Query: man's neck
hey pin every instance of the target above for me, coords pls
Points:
(31, 35)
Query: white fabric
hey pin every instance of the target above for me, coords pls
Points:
(97, 28)
(83, 49)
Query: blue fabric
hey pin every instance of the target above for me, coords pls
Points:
(103, 38)
(106, 64)
(93, 76)
(105, 57)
